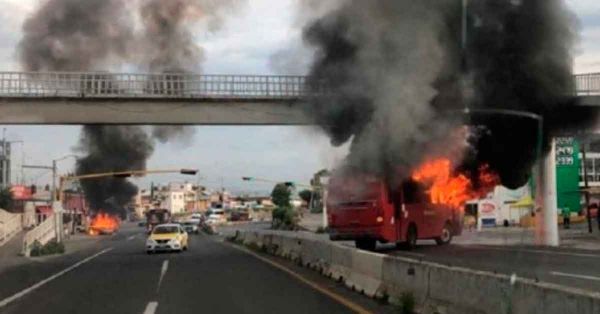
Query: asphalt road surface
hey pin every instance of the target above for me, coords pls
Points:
(117, 276)
(569, 267)
(564, 266)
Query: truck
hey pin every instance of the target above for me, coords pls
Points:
(367, 210)
(156, 217)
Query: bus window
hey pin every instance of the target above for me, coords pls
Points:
(413, 193)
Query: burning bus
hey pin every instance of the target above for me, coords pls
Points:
(427, 205)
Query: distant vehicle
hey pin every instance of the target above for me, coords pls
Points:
(142, 223)
(156, 217)
(216, 211)
(191, 226)
(194, 220)
(196, 216)
(216, 219)
(240, 216)
(366, 210)
(167, 237)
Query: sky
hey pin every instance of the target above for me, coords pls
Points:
(223, 155)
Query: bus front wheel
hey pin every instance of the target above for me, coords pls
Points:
(446, 236)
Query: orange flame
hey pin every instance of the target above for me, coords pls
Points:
(450, 189)
(103, 223)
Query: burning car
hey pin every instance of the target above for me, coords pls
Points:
(103, 224)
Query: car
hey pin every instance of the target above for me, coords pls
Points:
(196, 216)
(167, 237)
(191, 226)
(142, 223)
(216, 219)
(194, 220)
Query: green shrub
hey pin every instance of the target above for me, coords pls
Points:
(407, 303)
(285, 218)
(322, 230)
(52, 247)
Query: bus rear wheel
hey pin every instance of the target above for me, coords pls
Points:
(446, 236)
(411, 239)
(366, 244)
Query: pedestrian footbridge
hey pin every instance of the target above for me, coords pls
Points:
(171, 98)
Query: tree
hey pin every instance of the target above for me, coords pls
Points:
(6, 198)
(284, 216)
(306, 195)
(281, 195)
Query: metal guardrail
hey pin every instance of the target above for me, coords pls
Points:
(181, 85)
(168, 85)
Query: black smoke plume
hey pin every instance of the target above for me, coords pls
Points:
(167, 41)
(400, 79)
(112, 149)
(93, 35)
(74, 35)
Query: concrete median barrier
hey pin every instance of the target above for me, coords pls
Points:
(316, 255)
(341, 262)
(437, 288)
(403, 275)
(366, 273)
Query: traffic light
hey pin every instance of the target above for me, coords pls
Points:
(33, 189)
(190, 172)
(247, 178)
(289, 184)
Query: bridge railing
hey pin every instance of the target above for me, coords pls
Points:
(180, 85)
(166, 85)
(587, 84)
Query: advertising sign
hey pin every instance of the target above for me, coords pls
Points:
(21, 192)
(567, 174)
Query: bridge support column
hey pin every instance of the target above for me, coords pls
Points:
(547, 217)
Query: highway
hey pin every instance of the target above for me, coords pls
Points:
(564, 266)
(568, 267)
(115, 275)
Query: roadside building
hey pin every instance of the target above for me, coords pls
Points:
(174, 202)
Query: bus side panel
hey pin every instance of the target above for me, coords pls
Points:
(389, 231)
(413, 215)
(436, 216)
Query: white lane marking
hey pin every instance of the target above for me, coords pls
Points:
(131, 238)
(539, 251)
(557, 273)
(19, 295)
(163, 271)
(151, 307)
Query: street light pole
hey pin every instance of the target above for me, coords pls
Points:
(53, 189)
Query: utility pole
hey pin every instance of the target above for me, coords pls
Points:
(53, 188)
(4, 159)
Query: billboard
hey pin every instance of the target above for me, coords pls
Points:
(21, 192)
(567, 174)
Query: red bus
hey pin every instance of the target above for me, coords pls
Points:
(156, 217)
(366, 210)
